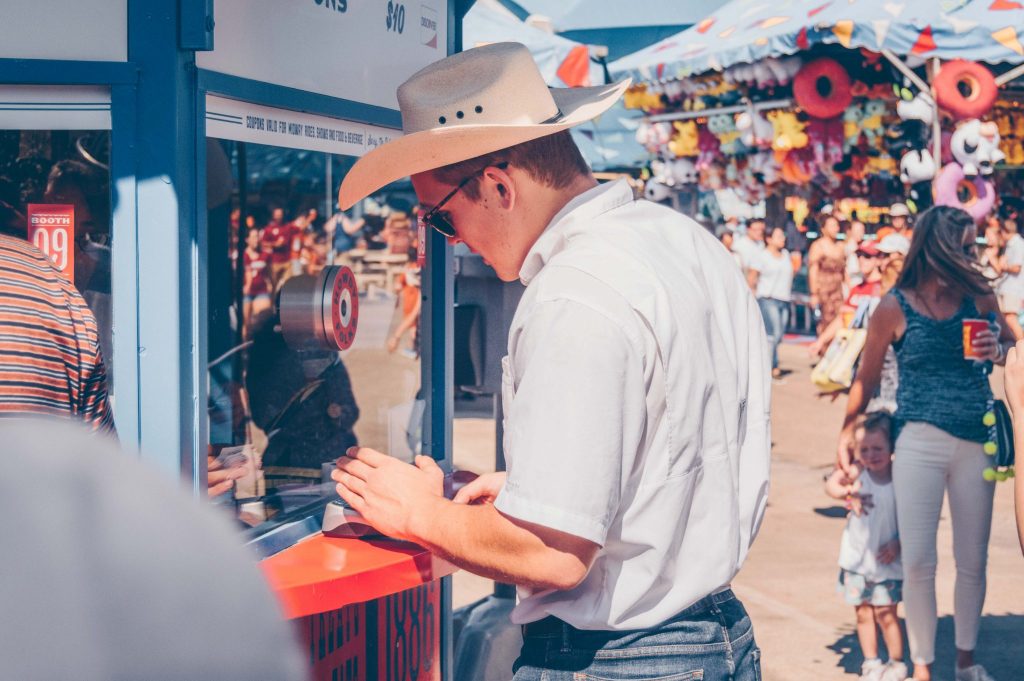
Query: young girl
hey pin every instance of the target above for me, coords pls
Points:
(871, 575)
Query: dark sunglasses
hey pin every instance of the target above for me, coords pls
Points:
(442, 220)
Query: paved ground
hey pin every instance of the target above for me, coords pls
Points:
(788, 584)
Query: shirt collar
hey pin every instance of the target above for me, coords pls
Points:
(578, 211)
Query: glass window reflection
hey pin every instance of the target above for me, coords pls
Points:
(279, 416)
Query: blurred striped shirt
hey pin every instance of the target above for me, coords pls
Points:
(50, 360)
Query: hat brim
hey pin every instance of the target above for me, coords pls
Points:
(436, 148)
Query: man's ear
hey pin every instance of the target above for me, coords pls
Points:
(505, 186)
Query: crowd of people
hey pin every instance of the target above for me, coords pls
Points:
(916, 417)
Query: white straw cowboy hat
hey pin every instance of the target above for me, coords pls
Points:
(472, 103)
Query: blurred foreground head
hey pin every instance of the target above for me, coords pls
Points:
(112, 572)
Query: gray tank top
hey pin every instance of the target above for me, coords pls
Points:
(937, 385)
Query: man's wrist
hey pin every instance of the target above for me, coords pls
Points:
(424, 519)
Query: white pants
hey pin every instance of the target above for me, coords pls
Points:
(928, 462)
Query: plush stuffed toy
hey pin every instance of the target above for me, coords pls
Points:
(826, 140)
(883, 165)
(914, 129)
(1005, 124)
(872, 124)
(713, 177)
(794, 171)
(975, 146)
(654, 137)
(851, 126)
(661, 171)
(783, 69)
(656, 191)
(639, 97)
(764, 167)
(723, 126)
(920, 196)
(684, 141)
(755, 131)
(683, 171)
(920, 108)
(1016, 154)
(917, 166)
(788, 131)
(709, 147)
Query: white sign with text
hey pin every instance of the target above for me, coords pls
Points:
(360, 50)
(232, 119)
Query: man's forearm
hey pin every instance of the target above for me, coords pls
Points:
(479, 539)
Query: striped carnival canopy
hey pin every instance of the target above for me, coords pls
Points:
(745, 31)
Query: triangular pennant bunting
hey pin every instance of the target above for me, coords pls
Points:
(960, 25)
(881, 31)
(1007, 37)
(925, 42)
(801, 39)
(843, 30)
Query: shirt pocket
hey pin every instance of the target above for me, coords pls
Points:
(508, 395)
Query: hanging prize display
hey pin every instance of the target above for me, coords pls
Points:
(965, 88)
(971, 194)
(822, 88)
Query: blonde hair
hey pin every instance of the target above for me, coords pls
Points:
(878, 422)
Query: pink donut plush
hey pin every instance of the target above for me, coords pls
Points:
(971, 194)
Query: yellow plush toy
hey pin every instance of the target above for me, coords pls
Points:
(684, 141)
(638, 97)
(1016, 155)
(788, 131)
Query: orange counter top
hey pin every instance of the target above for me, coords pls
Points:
(320, 574)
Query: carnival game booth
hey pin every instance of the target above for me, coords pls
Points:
(868, 100)
(180, 160)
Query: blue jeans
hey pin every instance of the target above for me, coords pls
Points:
(712, 640)
(776, 319)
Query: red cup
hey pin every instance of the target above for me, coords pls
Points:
(972, 329)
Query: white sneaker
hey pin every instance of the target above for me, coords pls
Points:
(895, 671)
(973, 673)
(872, 670)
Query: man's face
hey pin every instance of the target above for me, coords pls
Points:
(856, 232)
(899, 223)
(831, 227)
(756, 230)
(479, 224)
(277, 215)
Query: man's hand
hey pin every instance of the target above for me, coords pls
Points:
(483, 490)
(387, 492)
(1013, 379)
(219, 479)
(889, 552)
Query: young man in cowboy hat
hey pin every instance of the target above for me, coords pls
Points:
(636, 390)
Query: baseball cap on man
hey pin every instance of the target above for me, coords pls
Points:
(473, 103)
(894, 243)
(868, 248)
(899, 210)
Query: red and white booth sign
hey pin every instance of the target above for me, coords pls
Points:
(51, 228)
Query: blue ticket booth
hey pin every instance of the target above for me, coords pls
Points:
(199, 145)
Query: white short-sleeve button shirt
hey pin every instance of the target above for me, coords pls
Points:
(636, 398)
